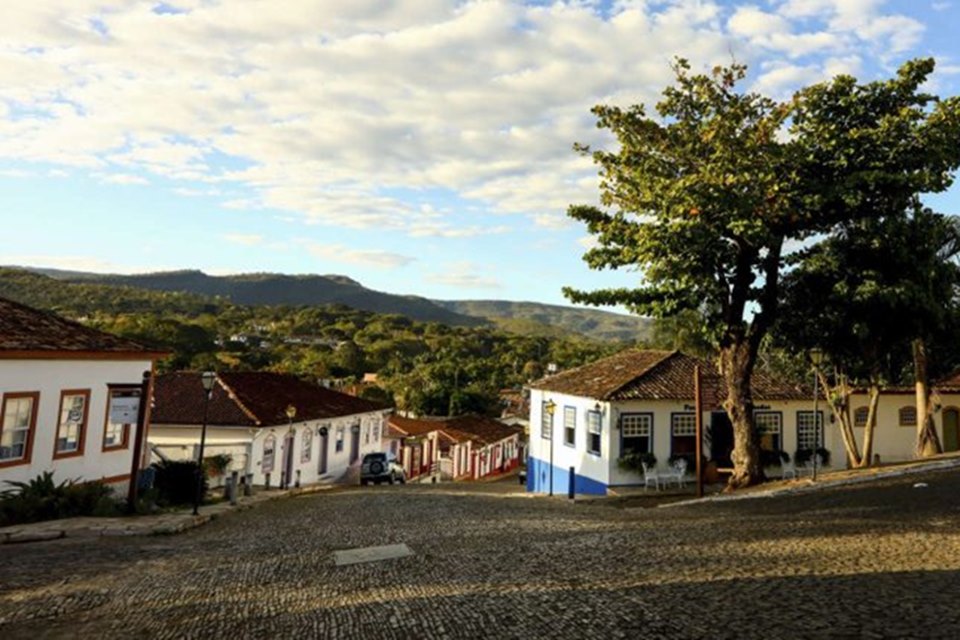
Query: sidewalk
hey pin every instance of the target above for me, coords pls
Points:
(160, 524)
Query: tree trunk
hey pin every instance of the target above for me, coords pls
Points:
(837, 397)
(868, 429)
(928, 443)
(736, 367)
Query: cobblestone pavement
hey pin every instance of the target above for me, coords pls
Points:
(871, 561)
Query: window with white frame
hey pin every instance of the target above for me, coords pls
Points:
(18, 420)
(546, 420)
(636, 433)
(570, 426)
(769, 426)
(808, 430)
(338, 448)
(683, 435)
(860, 416)
(593, 432)
(306, 445)
(908, 416)
(72, 422)
(376, 431)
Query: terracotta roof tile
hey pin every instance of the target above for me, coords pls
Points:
(256, 398)
(659, 375)
(459, 428)
(23, 328)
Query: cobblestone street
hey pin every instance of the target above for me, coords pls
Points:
(859, 562)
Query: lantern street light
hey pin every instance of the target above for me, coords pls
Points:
(207, 379)
(816, 357)
(550, 407)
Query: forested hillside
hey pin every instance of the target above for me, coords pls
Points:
(426, 367)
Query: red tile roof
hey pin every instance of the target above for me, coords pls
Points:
(485, 430)
(24, 328)
(457, 429)
(659, 375)
(256, 398)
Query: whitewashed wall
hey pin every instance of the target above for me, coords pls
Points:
(49, 378)
(248, 444)
(891, 441)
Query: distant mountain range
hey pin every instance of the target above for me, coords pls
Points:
(273, 288)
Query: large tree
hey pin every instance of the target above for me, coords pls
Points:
(702, 198)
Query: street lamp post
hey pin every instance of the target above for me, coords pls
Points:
(816, 357)
(291, 413)
(207, 379)
(550, 407)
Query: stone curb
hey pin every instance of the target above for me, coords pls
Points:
(809, 487)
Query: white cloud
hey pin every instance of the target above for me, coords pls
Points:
(245, 239)
(465, 275)
(122, 178)
(323, 110)
(364, 257)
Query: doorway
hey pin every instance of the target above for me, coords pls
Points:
(951, 429)
(721, 439)
(324, 438)
(354, 443)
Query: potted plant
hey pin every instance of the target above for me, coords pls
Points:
(635, 461)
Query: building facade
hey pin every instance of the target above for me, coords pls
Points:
(69, 399)
(276, 428)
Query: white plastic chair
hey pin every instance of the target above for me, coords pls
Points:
(650, 476)
(678, 472)
(788, 469)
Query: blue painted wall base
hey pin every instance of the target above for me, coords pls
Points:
(538, 480)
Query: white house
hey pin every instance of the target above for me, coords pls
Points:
(247, 418)
(70, 399)
(643, 401)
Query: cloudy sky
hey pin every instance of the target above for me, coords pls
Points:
(419, 146)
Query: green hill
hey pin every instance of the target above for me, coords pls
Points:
(594, 323)
(524, 318)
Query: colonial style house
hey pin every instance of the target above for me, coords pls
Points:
(495, 447)
(416, 444)
(70, 399)
(460, 447)
(278, 428)
(587, 418)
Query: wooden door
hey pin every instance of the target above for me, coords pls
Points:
(951, 430)
(324, 446)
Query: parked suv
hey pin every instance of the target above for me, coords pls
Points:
(379, 467)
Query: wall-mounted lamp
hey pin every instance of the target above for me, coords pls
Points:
(550, 407)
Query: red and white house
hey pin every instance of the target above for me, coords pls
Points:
(70, 399)
(416, 444)
(326, 432)
(459, 448)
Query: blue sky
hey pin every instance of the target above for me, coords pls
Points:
(418, 146)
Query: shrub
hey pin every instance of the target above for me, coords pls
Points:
(773, 458)
(217, 465)
(176, 482)
(803, 456)
(43, 499)
(635, 461)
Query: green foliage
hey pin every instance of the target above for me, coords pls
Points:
(428, 368)
(773, 458)
(42, 499)
(804, 456)
(176, 482)
(634, 461)
(217, 465)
